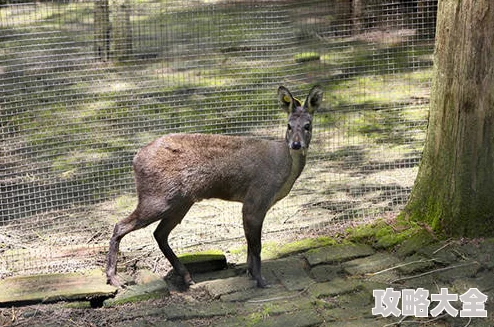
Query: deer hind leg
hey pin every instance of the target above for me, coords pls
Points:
(146, 213)
(171, 219)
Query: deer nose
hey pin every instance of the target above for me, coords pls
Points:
(296, 145)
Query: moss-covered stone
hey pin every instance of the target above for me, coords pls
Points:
(205, 261)
(383, 235)
(415, 242)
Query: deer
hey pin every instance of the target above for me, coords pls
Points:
(177, 170)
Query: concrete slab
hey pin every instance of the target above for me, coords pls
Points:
(47, 288)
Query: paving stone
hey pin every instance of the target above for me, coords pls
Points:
(338, 253)
(217, 288)
(301, 318)
(386, 277)
(324, 273)
(273, 291)
(414, 264)
(198, 311)
(370, 264)
(375, 322)
(335, 287)
(458, 270)
(442, 252)
(304, 318)
(291, 272)
(218, 274)
(145, 276)
(154, 289)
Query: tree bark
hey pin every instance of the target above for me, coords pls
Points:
(454, 190)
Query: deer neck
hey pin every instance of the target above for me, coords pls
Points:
(298, 159)
(298, 164)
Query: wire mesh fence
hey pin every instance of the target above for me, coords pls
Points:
(85, 84)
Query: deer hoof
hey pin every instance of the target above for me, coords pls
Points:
(261, 283)
(115, 281)
(188, 280)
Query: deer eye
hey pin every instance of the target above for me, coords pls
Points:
(307, 127)
(289, 127)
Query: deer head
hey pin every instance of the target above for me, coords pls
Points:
(299, 128)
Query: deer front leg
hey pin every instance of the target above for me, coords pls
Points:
(253, 229)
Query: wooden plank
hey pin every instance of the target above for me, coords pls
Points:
(87, 286)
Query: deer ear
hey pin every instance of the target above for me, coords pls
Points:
(286, 99)
(313, 100)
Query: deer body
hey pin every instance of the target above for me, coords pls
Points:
(177, 170)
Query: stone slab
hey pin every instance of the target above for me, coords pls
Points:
(46, 288)
(300, 318)
(291, 272)
(198, 311)
(335, 287)
(153, 289)
(324, 273)
(414, 264)
(217, 288)
(303, 318)
(371, 264)
(338, 253)
(203, 261)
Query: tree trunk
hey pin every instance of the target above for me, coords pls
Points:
(102, 29)
(454, 190)
(122, 30)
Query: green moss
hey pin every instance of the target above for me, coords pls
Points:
(382, 234)
(307, 56)
(210, 255)
(273, 250)
(78, 305)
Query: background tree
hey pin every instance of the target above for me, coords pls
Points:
(454, 190)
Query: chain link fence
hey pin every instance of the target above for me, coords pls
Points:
(85, 84)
